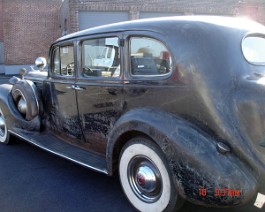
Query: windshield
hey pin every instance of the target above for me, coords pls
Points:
(253, 48)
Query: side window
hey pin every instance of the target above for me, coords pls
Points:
(63, 61)
(101, 57)
(149, 57)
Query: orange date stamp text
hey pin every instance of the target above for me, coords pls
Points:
(221, 192)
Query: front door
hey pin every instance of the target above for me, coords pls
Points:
(63, 113)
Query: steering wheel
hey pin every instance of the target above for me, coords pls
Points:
(87, 70)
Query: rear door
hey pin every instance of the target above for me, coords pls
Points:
(100, 82)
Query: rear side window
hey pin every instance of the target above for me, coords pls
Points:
(253, 48)
(149, 57)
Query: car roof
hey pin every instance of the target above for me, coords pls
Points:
(164, 24)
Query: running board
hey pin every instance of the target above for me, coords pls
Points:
(51, 143)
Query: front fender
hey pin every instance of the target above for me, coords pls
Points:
(192, 156)
(13, 117)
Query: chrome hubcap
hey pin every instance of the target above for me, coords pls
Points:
(145, 179)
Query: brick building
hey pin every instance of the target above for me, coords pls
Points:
(28, 27)
(1, 37)
(80, 14)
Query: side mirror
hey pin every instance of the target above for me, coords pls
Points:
(40, 63)
(23, 72)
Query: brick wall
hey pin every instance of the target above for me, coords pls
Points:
(185, 7)
(30, 26)
(255, 10)
(1, 22)
(1, 39)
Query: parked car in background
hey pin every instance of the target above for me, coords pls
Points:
(175, 105)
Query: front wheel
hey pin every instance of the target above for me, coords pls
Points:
(4, 134)
(146, 178)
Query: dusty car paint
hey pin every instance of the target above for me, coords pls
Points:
(212, 96)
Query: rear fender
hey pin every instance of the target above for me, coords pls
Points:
(192, 156)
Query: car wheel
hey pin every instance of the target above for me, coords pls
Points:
(146, 178)
(26, 100)
(4, 134)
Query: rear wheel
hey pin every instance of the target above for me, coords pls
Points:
(4, 134)
(146, 178)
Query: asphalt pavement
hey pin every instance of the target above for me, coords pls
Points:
(32, 180)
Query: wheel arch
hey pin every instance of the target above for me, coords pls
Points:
(120, 143)
(135, 123)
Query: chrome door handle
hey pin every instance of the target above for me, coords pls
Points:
(70, 87)
(78, 88)
(75, 87)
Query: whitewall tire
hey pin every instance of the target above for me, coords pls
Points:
(4, 134)
(145, 177)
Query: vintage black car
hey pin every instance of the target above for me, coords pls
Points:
(175, 105)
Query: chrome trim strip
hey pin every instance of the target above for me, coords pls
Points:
(151, 75)
(59, 154)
